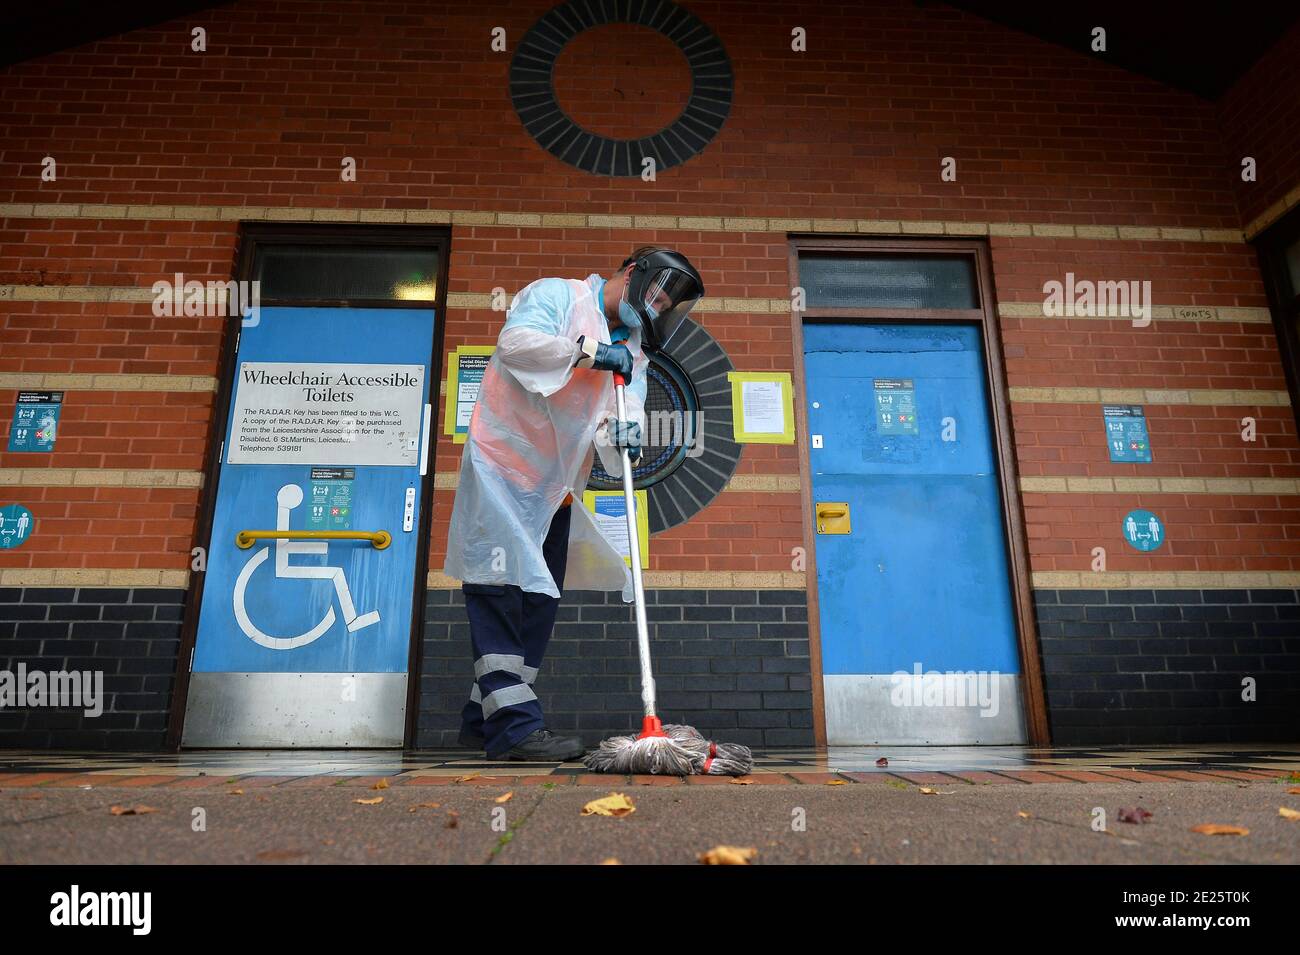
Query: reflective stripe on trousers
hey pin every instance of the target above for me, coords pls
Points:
(507, 663)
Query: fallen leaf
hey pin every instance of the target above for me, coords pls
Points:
(131, 810)
(453, 820)
(1136, 815)
(465, 779)
(505, 797)
(1286, 813)
(1216, 829)
(837, 782)
(1024, 815)
(1293, 791)
(611, 861)
(235, 792)
(30, 796)
(327, 842)
(370, 802)
(615, 804)
(737, 781)
(382, 784)
(936, 792)
(425, 805)
(727, 855)
(276, 855)
(882, 761)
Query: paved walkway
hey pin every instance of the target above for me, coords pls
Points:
(1004, 805)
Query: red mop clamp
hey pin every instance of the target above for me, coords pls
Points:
(713, 754)
(651, 726)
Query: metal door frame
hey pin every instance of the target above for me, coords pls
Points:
(999, 412)
(252, 237)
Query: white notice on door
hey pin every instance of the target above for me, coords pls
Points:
(317, 413)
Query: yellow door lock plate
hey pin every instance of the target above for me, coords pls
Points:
(833, 517)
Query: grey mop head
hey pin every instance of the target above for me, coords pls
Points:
(683, 752)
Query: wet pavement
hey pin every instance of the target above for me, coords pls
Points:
(839, 759)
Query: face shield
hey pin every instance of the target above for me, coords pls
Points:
(663, 289)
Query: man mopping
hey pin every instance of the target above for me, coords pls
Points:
(546, 399)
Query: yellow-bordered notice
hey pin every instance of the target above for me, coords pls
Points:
(762, 407)
(465, 367)
(610, 511)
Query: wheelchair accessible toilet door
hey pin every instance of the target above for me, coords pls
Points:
(305, 622)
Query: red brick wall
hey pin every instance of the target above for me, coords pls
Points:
(855, 128)
(1260, 117)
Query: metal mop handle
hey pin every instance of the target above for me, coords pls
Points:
(634, 548)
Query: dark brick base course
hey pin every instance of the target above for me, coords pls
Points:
(1166, 666)
(732, 663)
(132, 635)
(1121, 666)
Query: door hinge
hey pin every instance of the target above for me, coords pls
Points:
(192, 659)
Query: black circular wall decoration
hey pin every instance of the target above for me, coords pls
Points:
(533, 92)
(672, 421)
(683, 469)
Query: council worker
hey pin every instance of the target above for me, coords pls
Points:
(546, 399)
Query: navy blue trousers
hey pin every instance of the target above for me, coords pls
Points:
(509, 629)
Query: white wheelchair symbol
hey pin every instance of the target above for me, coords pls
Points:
(289, 497)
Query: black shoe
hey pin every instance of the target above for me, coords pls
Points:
(543, 746)
(471, 740)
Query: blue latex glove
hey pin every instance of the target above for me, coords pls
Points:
(627, 434)
(604, 357)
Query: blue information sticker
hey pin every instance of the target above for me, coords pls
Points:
(330, 506)
(1126, 433)
(895, 406)
(16, 523)
(36, 420)
(1143, 530)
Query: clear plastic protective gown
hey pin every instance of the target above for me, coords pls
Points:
(531, 440)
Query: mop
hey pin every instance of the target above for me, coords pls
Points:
(661, 749)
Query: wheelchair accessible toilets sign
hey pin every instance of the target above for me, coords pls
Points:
(326, 413)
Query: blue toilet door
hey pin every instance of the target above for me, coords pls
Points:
(918, 636)
(306, 642)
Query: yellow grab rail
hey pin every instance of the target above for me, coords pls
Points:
(379, 539)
